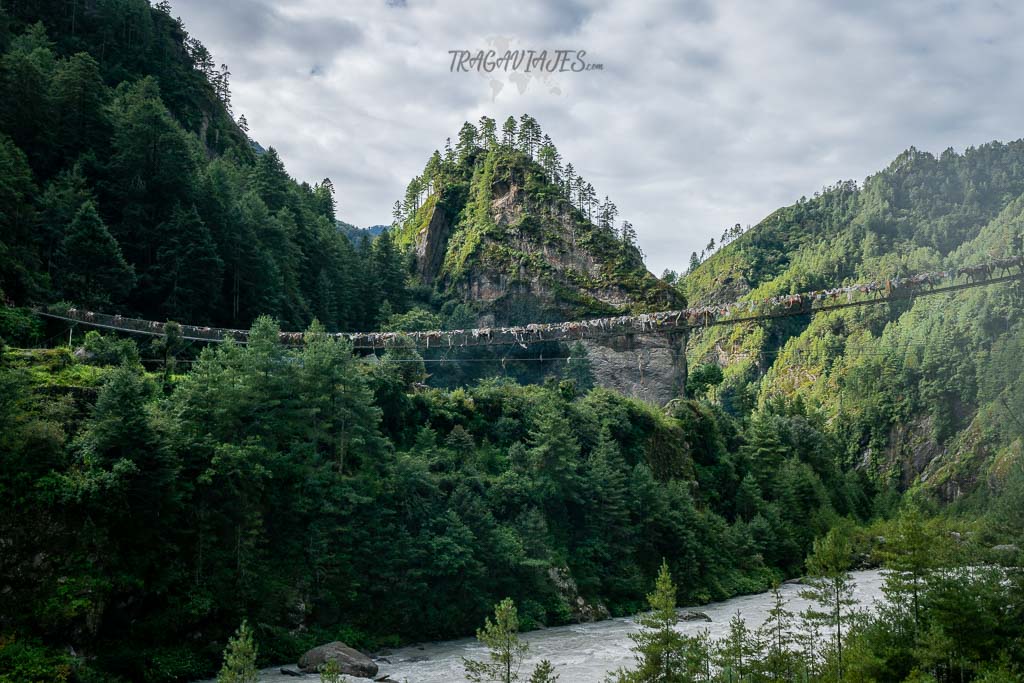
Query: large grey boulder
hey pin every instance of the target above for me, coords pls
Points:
(694, 616)
(351, 662)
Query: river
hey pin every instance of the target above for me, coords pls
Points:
(582, 653)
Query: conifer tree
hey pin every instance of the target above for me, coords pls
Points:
(830, 586)
(694, 263)
(777, 661)
(910, 554)
(467, 143)
(544, 672)
(239, 658)
(659, 649)
(188, 267)
(736, 651)
(79, 96)
(628, 234)
(19, 265)
(93, 271)
(508, 133)
(487, 129)
(505, 651)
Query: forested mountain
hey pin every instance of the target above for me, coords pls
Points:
(355, 234)
(500, 220)
(128, 186)
(922, 392)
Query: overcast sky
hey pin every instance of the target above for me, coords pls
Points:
(705, 114)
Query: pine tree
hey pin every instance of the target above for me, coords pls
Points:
(189, 268)
(628, 234)
(589, 200)
(26, 113)
(579, 369)
(508, 133)
(911, 554)
(92, 270)
(505, 650)
(389, 272)
(323, 198)
(19, 264)
(549, 160)
(554, 454)
(736, 651)
(239, 658)
(569, 181)
(79, 96)
(831, 586)
(661, 652)
(467, 144)
(271, 180)
(487, 128)
(777, 661)
(694, 263)
(222, 86)
(544, 672)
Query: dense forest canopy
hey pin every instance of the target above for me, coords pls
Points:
(119, 151)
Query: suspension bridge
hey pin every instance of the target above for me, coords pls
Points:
(676, 323)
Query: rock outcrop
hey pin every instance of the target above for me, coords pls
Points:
(648, 367)
(350, 662)
(521, 256)
(582, 611)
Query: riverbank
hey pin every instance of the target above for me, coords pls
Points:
(581, 653)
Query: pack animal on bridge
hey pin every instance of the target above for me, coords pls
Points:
(1006, 265)
(978, 273)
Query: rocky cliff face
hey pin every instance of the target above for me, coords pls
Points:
(520, 252)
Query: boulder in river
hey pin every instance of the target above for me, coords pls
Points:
(351, 662)
(694, 616)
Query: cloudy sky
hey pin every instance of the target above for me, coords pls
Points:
(706, 112)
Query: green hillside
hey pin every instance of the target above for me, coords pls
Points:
(118, 147)
(920, 393)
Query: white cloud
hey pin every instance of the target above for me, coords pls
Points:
(706, 114)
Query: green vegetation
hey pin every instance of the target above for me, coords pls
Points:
(925, 387)
(153, 498)
(266, 476)
(941, 619)
(239, 658)
(511, 204)
(663, 654)
(126, 184)
(505, 651)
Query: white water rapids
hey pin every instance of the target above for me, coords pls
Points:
(582, 653)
